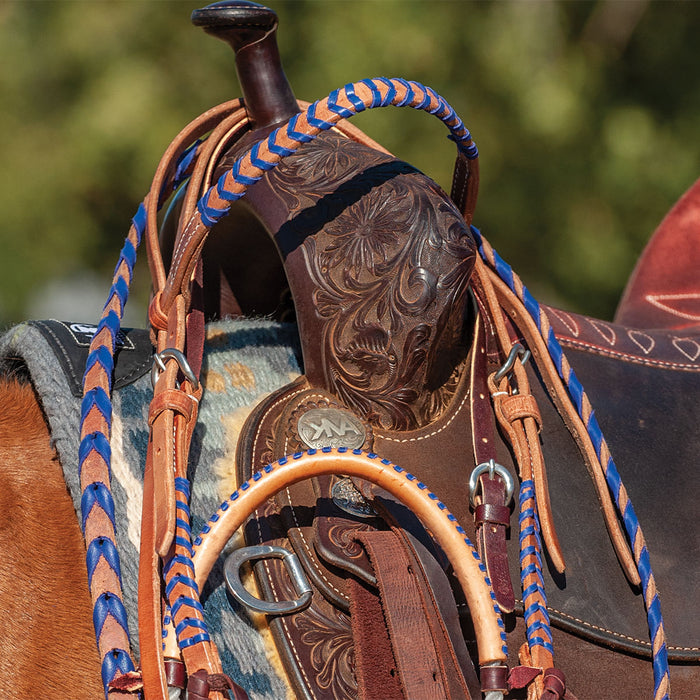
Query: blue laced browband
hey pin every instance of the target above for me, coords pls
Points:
(95, 446)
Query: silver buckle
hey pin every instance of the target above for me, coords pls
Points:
(232, 573)
(183, 364)
(492, 467)
(518, 350)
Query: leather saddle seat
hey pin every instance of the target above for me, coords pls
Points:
(663, 291)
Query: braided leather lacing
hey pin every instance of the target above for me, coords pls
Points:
(109, 614)
(370, 456)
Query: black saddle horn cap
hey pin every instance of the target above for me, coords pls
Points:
(251, 31)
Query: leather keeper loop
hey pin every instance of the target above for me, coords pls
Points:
(198, 685)
(494, 678)
(201, 683)
(172, 400)
(555, 682)
(156, 316)
(490, 513)
(520, 406)
(175, 673)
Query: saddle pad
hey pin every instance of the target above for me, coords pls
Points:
(244, 360)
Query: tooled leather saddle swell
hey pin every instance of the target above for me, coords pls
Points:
(420, 344)
(394, 388)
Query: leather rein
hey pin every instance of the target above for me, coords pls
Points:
(176, 649)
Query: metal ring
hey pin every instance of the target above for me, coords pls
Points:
(492, 467)
(518, 350)
(183, 364)
(232, 573)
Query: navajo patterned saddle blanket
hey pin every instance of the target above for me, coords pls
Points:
(245, 360)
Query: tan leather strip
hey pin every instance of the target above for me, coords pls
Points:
(514, 308)
(200, 180)
(523, 432)
(478, 594)
(188, 135)
(149, 597)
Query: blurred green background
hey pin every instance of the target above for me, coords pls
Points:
(586, 115)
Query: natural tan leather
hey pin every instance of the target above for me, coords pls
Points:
(558, 393)
(150, 641)
(196, 129)
(523, 431)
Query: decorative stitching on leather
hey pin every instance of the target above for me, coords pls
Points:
(634, 359)
(267, 412)
(435, 432)
(643, 642)
(655, 300)
(60, 345)
(676, 342)
(258, 516)
(598, 326)
(284, 399)
(430, 498)
(567, 320)
(637, 336)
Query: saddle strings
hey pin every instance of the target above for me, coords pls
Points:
(96, 413)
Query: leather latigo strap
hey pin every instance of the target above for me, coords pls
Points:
(421, 657)
(492, 509)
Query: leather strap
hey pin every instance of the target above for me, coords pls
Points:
(168, 163)
(523, 430)
(511, 306)
(492, 514)
(465, 186)
(425, 660)
(487, 623)
(375, 667)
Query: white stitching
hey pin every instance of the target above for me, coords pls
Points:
(435, 432)
(635, 359)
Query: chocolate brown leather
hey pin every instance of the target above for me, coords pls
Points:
(449, 436)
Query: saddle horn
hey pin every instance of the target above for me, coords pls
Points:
(250, 30)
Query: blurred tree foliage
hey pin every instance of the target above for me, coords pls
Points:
(586, 115)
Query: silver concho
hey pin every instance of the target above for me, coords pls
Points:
(349, 499)
(330, 427)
